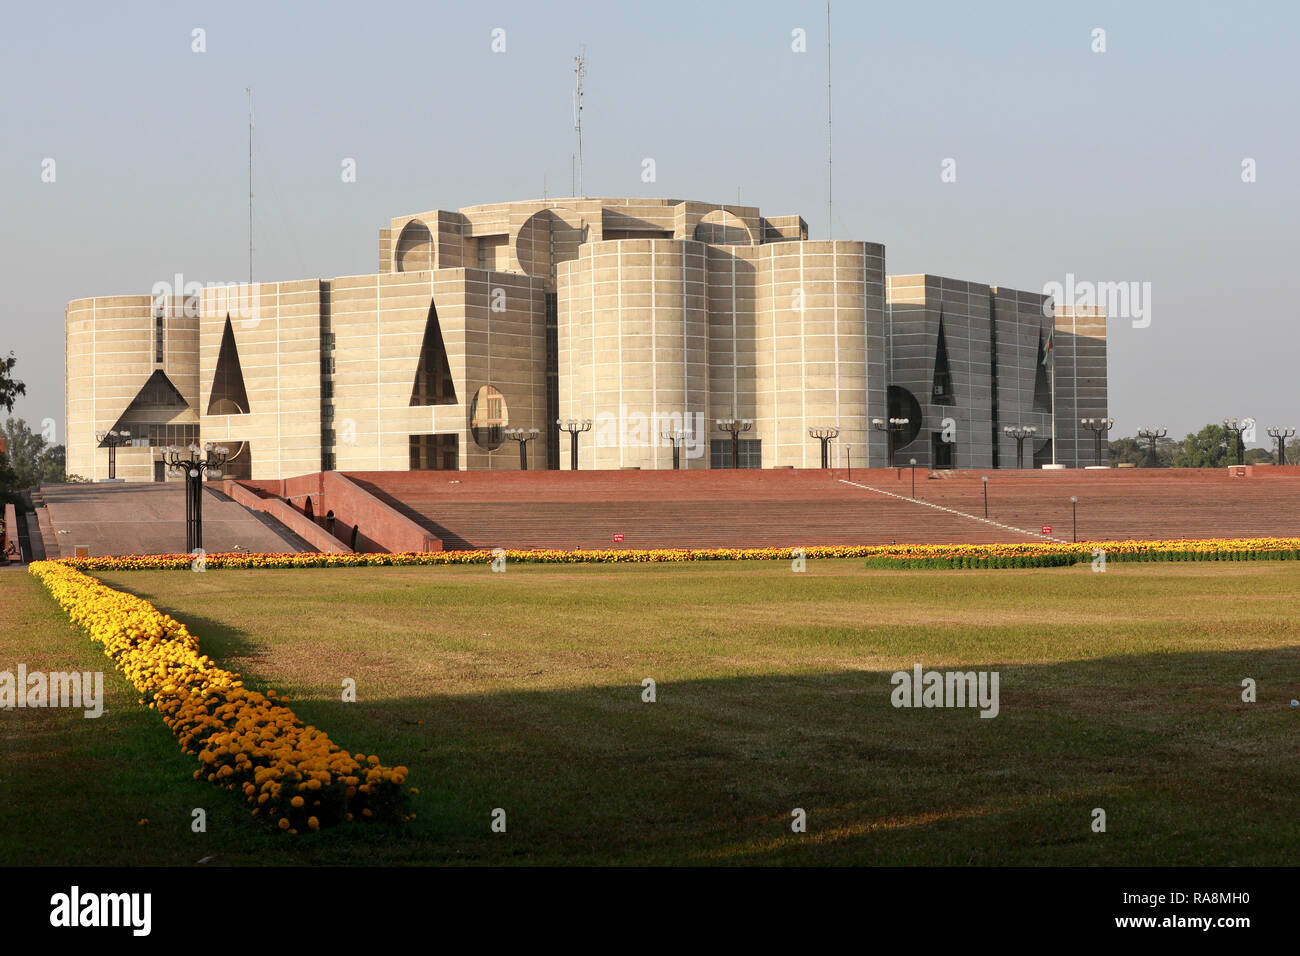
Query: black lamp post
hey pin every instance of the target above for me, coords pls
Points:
(575, 427)
(112, 440)
(193, 464)
(825, 434)
(912, 462)
(984, 480)
(735, 427)
(1281, 433)
(676, 437)
(1151, 436)
(1020, 433)
(523, 437)
(1098, 427)
(891, 428)
(1074, 512)
(1237, 427)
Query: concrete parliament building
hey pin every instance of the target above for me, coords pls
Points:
(648, 317)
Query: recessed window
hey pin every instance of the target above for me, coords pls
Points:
(750, 453)
(434, 453)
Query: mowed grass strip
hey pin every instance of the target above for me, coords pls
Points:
(523, 691)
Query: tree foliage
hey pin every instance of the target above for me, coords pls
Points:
(10, 387)
(31, 460)
(1138, 451)
(1209, 448)
(1212, 447)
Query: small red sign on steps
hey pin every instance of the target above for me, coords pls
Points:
(1047, 529)
(618, 538)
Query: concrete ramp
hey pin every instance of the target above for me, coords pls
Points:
(149, 518)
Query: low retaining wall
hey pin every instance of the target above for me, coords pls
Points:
(290, 517)
(379, 527)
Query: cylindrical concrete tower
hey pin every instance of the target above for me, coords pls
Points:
(633, 352)
(820, 352)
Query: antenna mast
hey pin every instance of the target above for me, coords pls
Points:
(249, 91)
(580, 70)
(830, 220)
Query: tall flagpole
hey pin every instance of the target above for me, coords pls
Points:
(830, 221)
(249, 91)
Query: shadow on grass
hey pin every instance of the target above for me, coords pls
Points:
(712, 771)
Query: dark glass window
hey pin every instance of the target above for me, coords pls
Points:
(750, 453)
(435, 452)
(941, 393)
(552, 381)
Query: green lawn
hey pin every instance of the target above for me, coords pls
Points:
(523, 691)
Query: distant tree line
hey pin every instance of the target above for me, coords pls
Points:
(28, 459)
(1212, 447)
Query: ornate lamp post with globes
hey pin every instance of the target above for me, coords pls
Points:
(1098, 427)
(1237, 427)
(113, 440)
(523, 437)
(1151, 436)
(575, 427)
(1280, 433)
(891, 428)
(194, 464)
(676, 436)
(1020, 433)
(735, 427)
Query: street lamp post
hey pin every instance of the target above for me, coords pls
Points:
(1020, 433)
(1098, 427)
(735, 427)
(1151, 436)
(1281, 433)
(1074, 513)
(825, 434)
(575, 427)
(193, 467)
(676, 436)
(1238, 427)
(523, 438)
(891, 428)
(984, 480)
(112, 440)
(912, 462)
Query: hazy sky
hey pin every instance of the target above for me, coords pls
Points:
(1116, 166)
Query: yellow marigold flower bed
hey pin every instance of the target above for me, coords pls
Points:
(247, 742)
(1022, 554)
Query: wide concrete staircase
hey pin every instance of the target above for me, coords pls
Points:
(147, 518)
(791, 508)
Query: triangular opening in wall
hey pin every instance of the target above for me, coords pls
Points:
(941, 391)
(158, 405)
(228, 396)
(1042, 387)
(433, 383)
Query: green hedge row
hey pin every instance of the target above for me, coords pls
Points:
(1062, 559)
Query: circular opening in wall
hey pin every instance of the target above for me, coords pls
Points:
(488, 418)
(903, 404)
